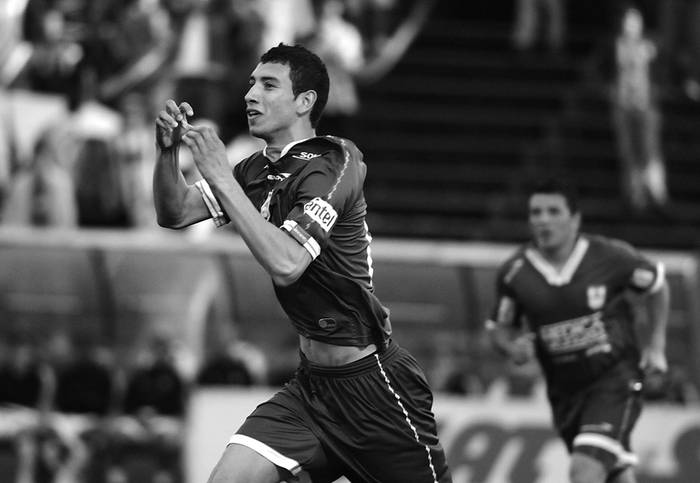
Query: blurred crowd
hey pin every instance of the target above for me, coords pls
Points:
(73, 409)
(81, 83)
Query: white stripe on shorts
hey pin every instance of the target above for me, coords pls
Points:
(624, 458)
(266, 452)
(408, 419)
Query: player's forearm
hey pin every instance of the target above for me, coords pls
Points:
(171, 194)
(280, 255)
(658, 307)
(502, 340)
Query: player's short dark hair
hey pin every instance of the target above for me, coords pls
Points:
(306, 71)
(557, 186)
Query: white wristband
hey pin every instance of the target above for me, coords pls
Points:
(217, 213)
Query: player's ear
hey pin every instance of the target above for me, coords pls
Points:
(305, 102)
(576, 219)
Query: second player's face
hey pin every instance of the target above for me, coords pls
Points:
(552, 223)
(270, 102)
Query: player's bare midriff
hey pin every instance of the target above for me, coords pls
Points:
(333, 355)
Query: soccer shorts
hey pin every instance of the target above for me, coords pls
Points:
(598, 419)
(370, 420)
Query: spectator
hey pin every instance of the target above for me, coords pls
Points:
(231, 361)
(42, 193)
(14, 51)
(142, 44)
(218, 40)
(679, 45)
(84, 397)
(135, 151)
(529, 15)
(339, 44)
(285, 21)
(24, 385)
(153, 407)
(99, 191)
(58, 52)
(637, 119)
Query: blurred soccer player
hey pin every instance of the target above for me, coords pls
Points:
(565, 297)
(358, 405)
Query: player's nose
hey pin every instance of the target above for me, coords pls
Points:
(251, 95)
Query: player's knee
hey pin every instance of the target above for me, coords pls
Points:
(585, 469)
(240, 464)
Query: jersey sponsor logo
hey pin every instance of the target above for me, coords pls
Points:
(278, 177)
(643, 278)
(321, 212)
(506, 311)
(304, 156)
(575, 334)
(596, 296)
(327, 323)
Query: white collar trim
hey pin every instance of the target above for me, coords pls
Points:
(550, 273)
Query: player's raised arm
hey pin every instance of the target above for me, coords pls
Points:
(278, 253)
(654, 348)
(177, 204)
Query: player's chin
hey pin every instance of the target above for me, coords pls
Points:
(544, 241)
(256, 130)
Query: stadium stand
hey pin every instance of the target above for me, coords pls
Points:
(454, 133)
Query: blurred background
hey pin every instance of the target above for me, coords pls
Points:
(129, 353)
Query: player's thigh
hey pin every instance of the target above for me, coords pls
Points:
(623, 476)
(586, 469)
(240, 464)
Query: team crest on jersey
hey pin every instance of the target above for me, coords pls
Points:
(304, 156)
(596, 296)
(321, 212)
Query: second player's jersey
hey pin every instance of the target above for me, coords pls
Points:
(314, 192)
(581, 316)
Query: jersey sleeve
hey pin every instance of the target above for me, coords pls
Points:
(324, 189)
(643, 274)
(506, 310)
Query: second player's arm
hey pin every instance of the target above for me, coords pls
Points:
(511, 342)
(654, 349)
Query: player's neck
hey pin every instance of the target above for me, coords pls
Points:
(277, 142)
(559, 255)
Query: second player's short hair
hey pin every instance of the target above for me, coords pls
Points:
(556, 186)
(306, 71)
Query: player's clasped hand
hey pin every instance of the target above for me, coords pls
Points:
(171, 123)
(653, 361)
(208, 151)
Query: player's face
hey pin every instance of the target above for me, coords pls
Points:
(270, 103)
(552, 223)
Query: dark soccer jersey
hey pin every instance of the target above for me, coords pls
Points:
(581, 316)
(314, 192)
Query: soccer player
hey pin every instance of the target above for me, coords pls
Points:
(359, 405)
(568, 298)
